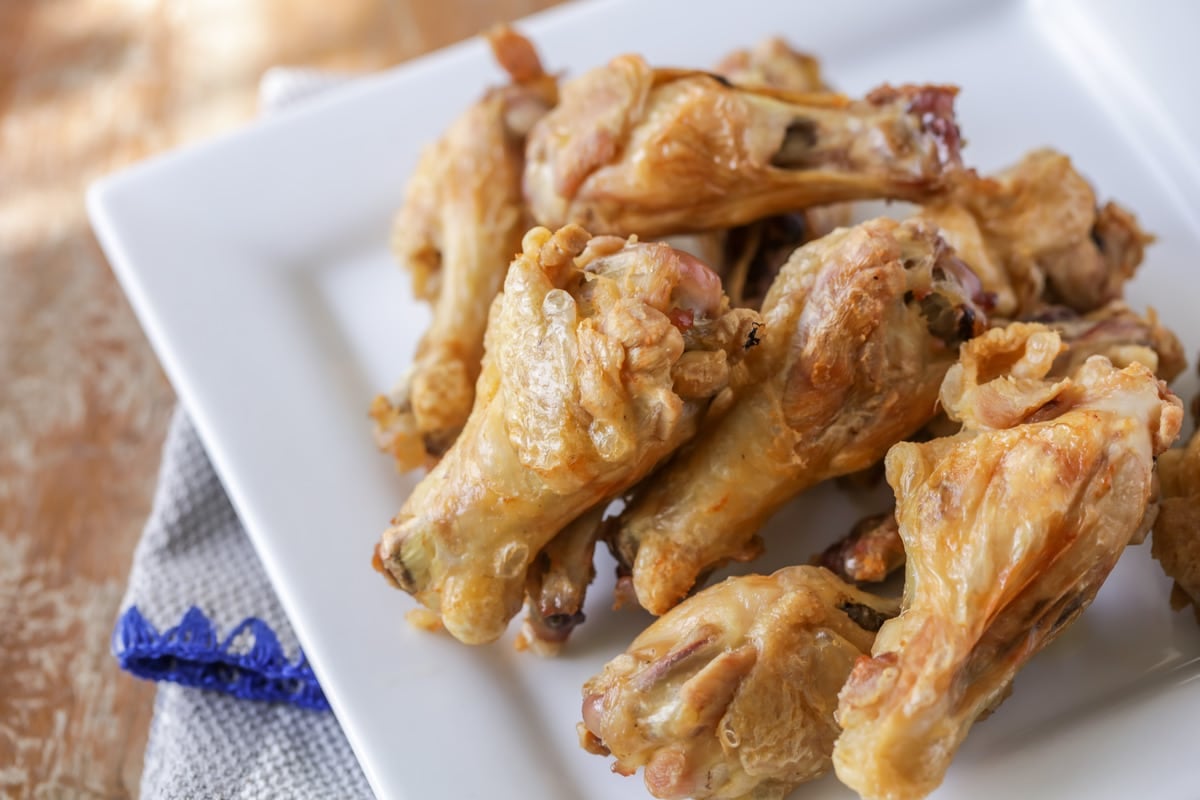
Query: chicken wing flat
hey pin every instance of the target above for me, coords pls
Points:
(1010, 527)
(461, 223)
(1035, 234)
(732, 694)
(632, 149)
(1176, 539)
(858, 332)
(601, 356)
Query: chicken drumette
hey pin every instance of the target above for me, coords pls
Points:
(1010, 527)
(461, 223)
(633, 149)
(602, 354)
(858, 331)
(732, 694)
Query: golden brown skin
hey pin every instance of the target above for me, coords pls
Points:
(461, 223)
(1010, 528)
(732, 694)
(602, 355)
(1035, 235)
(1176, 540)
(632, 149)
(858, 331)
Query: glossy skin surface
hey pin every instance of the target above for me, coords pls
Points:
(857, 335)
(461, 223)
(1010, 527)
(601, 357)
(633, 149)
(732, 694)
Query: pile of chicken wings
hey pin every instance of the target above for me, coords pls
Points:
(656, 321)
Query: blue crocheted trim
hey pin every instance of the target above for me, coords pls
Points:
(191, 654)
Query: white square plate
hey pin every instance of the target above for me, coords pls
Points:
(258, 266)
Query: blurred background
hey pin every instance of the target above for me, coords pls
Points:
(86, 87)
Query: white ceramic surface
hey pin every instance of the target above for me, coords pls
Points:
(258, 266)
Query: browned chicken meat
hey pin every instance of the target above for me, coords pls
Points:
(1035, 234)
(632, 149)
(461, 223)
(1176, 540)
(1010, 528)
(858, 332)
(732, 694)
(602, 354)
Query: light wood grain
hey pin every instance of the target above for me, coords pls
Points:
(85, 87)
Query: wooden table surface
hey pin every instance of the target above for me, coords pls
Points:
(85, 87)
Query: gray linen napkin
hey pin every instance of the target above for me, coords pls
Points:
(199, 611)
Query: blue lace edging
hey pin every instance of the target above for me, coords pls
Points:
(191, 654)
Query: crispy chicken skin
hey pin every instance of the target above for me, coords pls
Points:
(602, 355)
(461, 223)
(1035, 235)
(1176, 539)
(873, 549)
(732, 694)
(858, 331)
(1010, 528)
(632, 149)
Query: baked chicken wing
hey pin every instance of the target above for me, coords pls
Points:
(1035, 234)
(1010, 527)
(602, 354)
(461, 223)
(1176, 539)
(858, 331)
(633, 149)
(732, 694)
